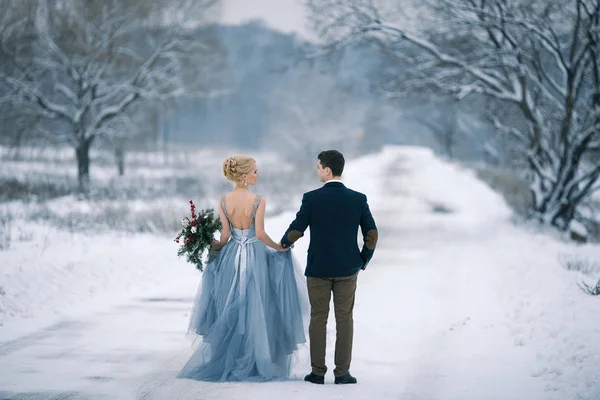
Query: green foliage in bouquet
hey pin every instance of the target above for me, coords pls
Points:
(197, 236)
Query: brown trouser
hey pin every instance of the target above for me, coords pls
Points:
(319, 293)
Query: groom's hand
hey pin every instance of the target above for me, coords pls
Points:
(290, 245)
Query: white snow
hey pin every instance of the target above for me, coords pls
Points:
(57, 272)
(458, 303)
(578, 228)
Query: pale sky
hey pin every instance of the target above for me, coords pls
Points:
(284, 15)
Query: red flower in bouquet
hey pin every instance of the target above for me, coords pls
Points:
(197, 235)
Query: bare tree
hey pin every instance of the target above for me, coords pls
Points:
(538, 59)
(85, 64)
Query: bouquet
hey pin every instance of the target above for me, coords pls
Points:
(197, 236)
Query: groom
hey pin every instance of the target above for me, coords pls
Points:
(334, 214)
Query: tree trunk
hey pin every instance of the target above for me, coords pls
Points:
(449, 142)
(452, 131)
(557, 211)
(82, 152)
(120, 157)
(563, 216)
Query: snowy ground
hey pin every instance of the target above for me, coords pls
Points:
(458, 303)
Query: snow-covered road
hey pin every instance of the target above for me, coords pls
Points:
(446, 310)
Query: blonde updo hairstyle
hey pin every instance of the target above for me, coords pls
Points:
(236, 166)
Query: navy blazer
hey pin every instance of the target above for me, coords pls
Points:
(334, 214)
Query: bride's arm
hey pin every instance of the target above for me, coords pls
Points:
(225, 232)
(259, 223)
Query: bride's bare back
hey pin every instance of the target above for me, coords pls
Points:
(240, 206)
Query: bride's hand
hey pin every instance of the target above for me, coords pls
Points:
(215, 244)
(281, 248)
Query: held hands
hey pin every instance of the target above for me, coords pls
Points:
(281, 248)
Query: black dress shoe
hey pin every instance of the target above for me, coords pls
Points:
(344, 379)
(318, 379)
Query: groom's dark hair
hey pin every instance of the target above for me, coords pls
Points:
(334, 160)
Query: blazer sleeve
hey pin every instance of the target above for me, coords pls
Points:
(369, 232)
(299, 225)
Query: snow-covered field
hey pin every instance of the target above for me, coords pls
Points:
(458, 303)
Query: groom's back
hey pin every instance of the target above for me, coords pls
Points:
(336, 213)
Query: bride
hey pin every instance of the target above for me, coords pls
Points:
(251, 304)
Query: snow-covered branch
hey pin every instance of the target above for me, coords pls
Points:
(35, 97)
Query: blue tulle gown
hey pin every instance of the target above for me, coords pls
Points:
(250, 310)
